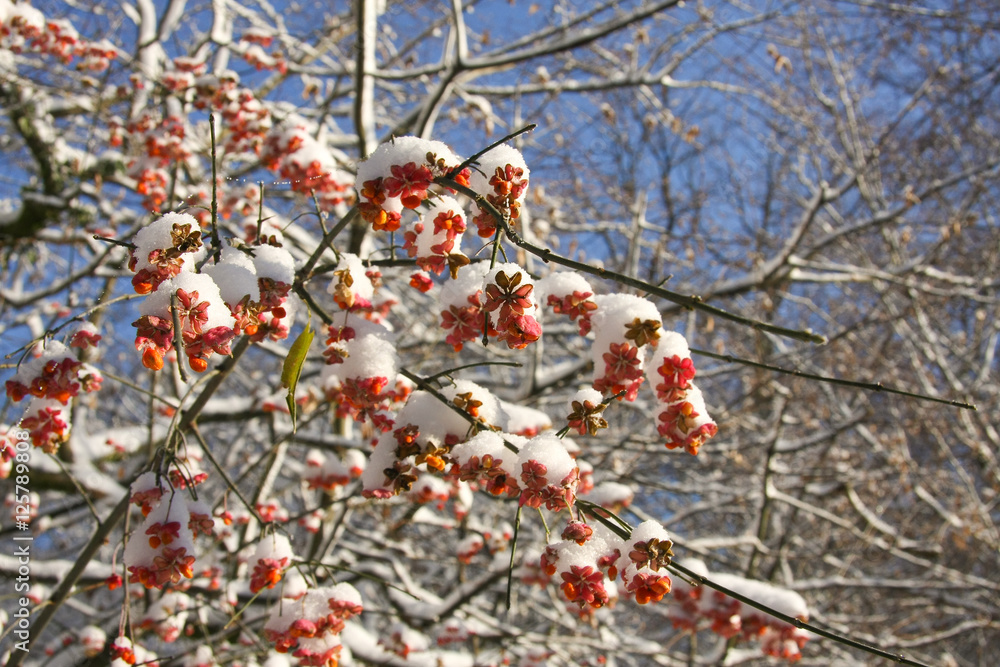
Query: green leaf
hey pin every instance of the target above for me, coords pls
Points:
(292, 367)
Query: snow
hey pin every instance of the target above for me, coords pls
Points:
(581, 555)
(670, 344)
(370, 354)
(587, 394)
(401, 151)
(484, 443)
(55, 569)
(489, 412)
(613, 315)
(345, 592)
(85, 327)
(424, 227)
(697, 401)
(780, 599)
(256, 54)
(274, 546)
(648, 530)
(361, 286)
(274, 263)
(365, 646)
(373, 478)
(470, 280)
(560, 284)
(172, 508)
(432, 417)
(235, 275)
(27, 16)
(525, 420)
(571, 446)
(157, 236)
(609, 494)
(549, 451)
(428, 487)
(258, 34)
(147, 481)
(269, 226)
(158, 303)
(222, 25)
(498, 157)
(510, 270)
(293, 584)
(35, 367)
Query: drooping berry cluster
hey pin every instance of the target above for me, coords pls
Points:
(697, 607)
(308, 627)
(25, 29)
(509, 300)
(587, 563)
(243, 293)
(161, 551)
(398, 176)
(52, 379)
(502, 180)
(683, 419)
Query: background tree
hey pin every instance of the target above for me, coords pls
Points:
(824, 167)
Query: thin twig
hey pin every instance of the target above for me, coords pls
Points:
(260, 210)
(77, 485)
(623, 530)
(426, 386)
(178, 341)
(693, 302)
(791, 620)
(512, 364)
(217, 253)
(124, 244)
(458, 170)
(513, 550)
(222, 471)
(314, 306)
(70, 578)
(475, 423)
(223, 371)
(306, 271)
(131, 385)
(322, 220)
(53, 330)
(870, 386)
